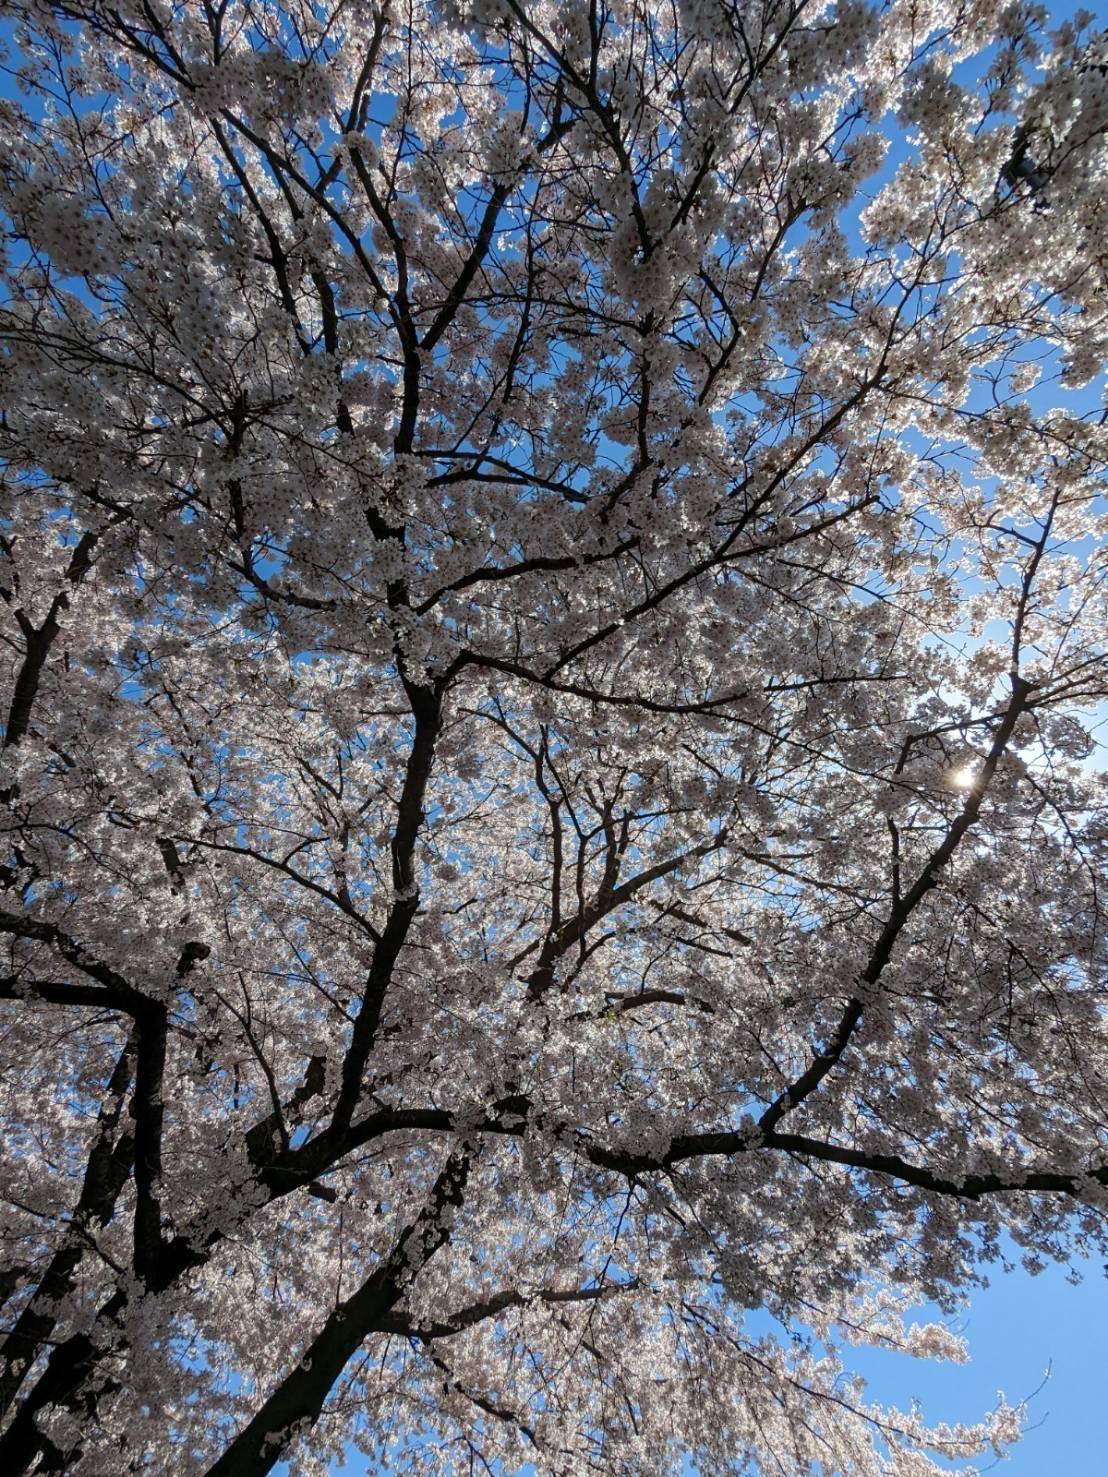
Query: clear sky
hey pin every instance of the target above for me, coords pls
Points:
(1017, 1329)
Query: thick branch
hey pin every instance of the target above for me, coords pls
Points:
(106, 1171)
(903, 907)
(39, 640)
(427, 711)
(301, 1394)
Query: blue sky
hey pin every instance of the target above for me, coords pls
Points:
(1017, 1329)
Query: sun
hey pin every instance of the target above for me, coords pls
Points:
(965, 777)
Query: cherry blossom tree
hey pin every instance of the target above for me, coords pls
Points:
(553, 865)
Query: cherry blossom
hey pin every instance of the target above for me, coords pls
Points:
(552, 595)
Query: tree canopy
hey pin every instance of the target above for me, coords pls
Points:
(552, 638)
